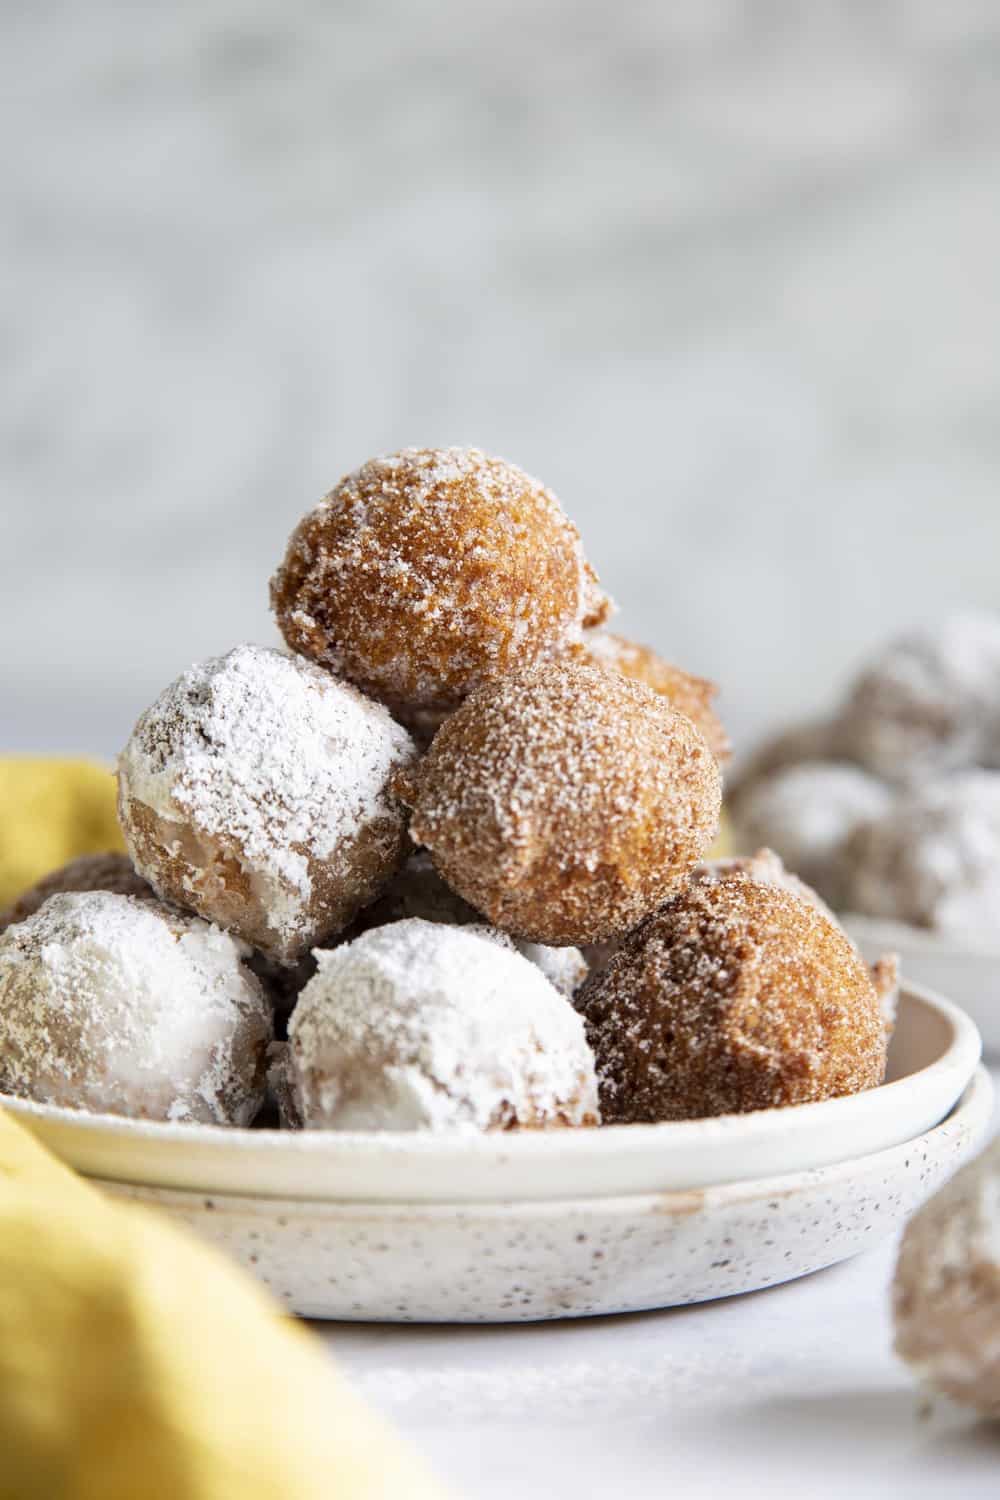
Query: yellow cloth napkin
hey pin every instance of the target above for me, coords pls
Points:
(51, 810)
(136, 1364)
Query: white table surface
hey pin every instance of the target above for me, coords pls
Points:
(793, 1391)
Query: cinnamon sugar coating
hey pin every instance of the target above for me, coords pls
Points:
(431, 571)
(687, 694)
(767, 867)
(736, 996)
(91, 872)
(565, 802)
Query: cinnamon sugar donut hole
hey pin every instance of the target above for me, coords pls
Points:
(768, 868)
(255, 791)
(431, 571)
(737, 996)
(565, 802)
(687, 694)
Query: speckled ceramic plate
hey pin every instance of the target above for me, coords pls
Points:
(563, 1223)
(572, 1256)
(968, 971)
(934, 1052)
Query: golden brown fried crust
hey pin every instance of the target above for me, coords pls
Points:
(565, 802)
(687, 694)
(206, 874)
(431, 571)
(735, 996)
(91, 872)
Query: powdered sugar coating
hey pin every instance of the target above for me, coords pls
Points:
(255, 791)
(417, 890)
(933, 859)
(806, 813)
(687, 694)
(929, 702)
(564, 968)
(119, 1005)
(946, 1292)
(792, 746)
(737, 995)
(91, 872)
(430, 571)
(422, 1026)
(565, 802)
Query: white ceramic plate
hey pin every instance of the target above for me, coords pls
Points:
(967, 971)
(934, 1052)
(574, 1257)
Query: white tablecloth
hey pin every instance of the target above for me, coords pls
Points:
(794, 1391)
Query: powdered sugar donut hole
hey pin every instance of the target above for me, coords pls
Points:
(564, 968)
(928, 703)
(423, 1026)
(418, 891)
(806, 813)
(255, 791)
(119, 1005)
(933, 859)
(792, 746)
(946, 1292)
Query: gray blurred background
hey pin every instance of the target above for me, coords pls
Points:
(724, 275)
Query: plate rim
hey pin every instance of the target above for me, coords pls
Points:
(960, 1056)
(975, 1103)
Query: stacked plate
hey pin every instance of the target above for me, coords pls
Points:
(563, 1223)
(966, 969)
